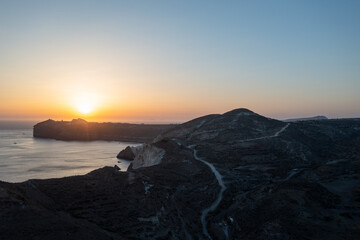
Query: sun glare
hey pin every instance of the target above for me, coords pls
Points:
(85, 103)
(84, 108)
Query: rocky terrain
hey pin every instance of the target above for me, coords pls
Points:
(237, 175)
(81, 130)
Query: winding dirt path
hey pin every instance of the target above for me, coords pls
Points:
(217, 201)
(271, 136)
(219, 178)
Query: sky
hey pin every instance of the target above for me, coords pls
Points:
(171, 61)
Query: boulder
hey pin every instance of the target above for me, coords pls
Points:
(126, 154)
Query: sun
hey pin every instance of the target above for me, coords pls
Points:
(85, 103)
(84, 108)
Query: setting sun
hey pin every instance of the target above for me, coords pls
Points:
(84, 108)
(86, 103)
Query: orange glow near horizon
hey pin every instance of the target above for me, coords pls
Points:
(102, 97)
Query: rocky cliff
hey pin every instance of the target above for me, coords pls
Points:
(237, 175)
(79, 129)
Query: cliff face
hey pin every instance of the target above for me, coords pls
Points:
(146, 155)
(79, 129)
(238, 175)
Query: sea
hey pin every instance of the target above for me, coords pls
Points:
(23, 157)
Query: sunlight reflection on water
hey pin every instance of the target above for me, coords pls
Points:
(23, 157)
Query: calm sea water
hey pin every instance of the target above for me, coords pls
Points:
(23, 157)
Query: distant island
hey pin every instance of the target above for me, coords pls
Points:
(81, 130)
(306, 119)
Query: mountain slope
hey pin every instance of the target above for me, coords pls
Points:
(239, 124)
(237, 175)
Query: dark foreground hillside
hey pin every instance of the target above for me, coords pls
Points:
(238, 175)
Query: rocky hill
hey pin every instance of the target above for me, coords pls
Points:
(81, 130)
(237, 175)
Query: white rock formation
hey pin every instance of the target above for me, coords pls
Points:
(146, 155)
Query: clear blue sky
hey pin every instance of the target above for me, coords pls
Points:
(175, 60)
